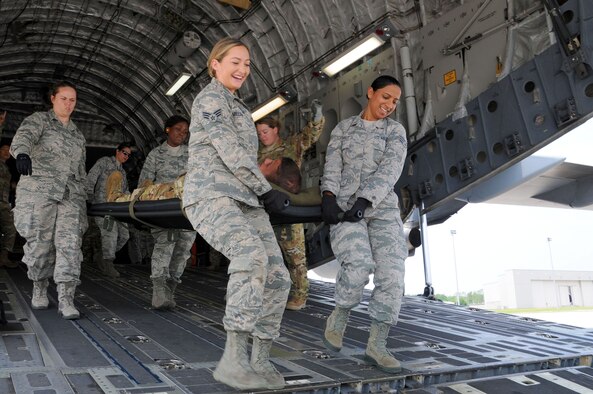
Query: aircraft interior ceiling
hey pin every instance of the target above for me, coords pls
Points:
(123, 55)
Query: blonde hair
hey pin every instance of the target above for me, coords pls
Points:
(220, 50)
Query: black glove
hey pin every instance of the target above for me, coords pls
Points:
(330, 211)
(23, 164)
(356, 213)
(275, 201)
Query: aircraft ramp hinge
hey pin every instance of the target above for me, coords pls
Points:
(576, 61)
(565, 112)
(513, 145)
(425, 189)
(466, 169)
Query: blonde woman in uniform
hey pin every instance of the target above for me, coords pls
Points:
(223, 195)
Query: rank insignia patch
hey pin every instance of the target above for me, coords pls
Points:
(212, 116)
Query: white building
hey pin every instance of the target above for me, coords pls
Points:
(539, 289)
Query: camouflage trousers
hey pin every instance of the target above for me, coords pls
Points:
(91, 244)
(172, 249)
(291, 239)
(114, 236)
(7, 230)
(53, 231)
(259, 282)
(140, 245)
(376, 245)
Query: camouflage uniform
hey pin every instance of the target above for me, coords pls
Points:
(140, 245)
(172, 248)
(221, 201)
(92, 252)
(50, 211)
(7, 230)
(291, 238)
(365, 159)
(114, 234)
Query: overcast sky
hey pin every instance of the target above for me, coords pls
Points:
(493, 238)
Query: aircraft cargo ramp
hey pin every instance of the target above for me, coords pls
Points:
(120, 345)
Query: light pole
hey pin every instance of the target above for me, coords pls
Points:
(553, 278)
(453, 232)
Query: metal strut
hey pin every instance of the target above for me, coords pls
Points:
(571, 44)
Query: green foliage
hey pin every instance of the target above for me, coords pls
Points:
(465, 299)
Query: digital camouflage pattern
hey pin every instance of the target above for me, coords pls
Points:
(7, 230)
(96, 180)
(50, 211)
(365, 159)
(140, 245)
(223, 150)
(220, 200)
(162, 167)
(259, 282)
(172, 248)
(92, 251)
(114, 234)
(291, 238)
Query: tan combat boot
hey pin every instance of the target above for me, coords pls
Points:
(234, 369)
(335, 327)
(260, 362)
(66, 307)
(376, 352)
(160, 291)
(108, 269)
(170, 293)
(39, 299)
(296, 303)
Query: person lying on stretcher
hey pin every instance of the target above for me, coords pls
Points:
(282, 173)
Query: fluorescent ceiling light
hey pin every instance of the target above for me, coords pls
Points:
(364, 47)
(269, 106)
(179, 82)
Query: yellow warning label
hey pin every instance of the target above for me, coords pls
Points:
(450, 77)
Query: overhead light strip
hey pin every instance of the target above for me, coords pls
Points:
(363, 48)
(179, 82)
(269, 106)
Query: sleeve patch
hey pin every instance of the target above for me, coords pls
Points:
(212, 116)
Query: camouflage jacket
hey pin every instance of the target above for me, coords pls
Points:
(365, 161)
(57, 153)
(160, 166)
(295, 146)
(223, 149)
(96, 180)
(5, 177)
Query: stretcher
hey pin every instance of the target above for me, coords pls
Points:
(169, 213)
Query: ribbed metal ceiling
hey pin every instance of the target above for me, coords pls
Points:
(116, 52)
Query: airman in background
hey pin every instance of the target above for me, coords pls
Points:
(172, 248)
(114, 234)
(7, 230)
(50, 211)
